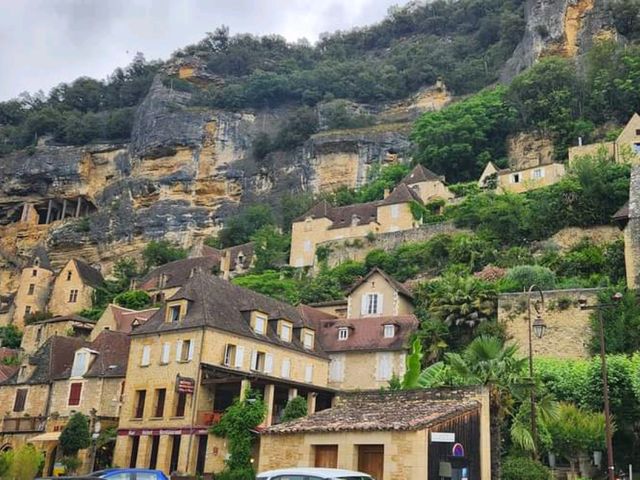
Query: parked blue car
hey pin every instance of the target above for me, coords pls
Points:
(129, 474)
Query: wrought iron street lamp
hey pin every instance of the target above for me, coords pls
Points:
(600, 307)
(538, 327)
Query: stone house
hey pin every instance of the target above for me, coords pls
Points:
(325, 222)
(368, 347)
(74, 287)
(209, 343)
(521, 179)
(37, 333)
(408, 435)
(34, 287)
(119, 319)
(237, 260)
(624, 148)
(568, 330)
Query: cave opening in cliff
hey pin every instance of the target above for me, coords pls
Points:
(55, 209)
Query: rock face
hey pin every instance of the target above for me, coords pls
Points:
(558, 27)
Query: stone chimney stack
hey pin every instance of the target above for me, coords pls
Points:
(386, 192)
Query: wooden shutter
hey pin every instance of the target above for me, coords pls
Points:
(192, 345)
(326, 456)
(268, 363)
(239, 357)
(21, 399)
(146, 354)
(178, 350)
(75, 392)
(363, 304)
(166, 352)
(308, 373)
(379, 307)
(285, 369)
(254, 360)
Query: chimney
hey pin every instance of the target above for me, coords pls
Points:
(579, 141)
(386, 193)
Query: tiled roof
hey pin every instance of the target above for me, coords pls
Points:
(178, 272)
(125, 318)
(402, 194)
(421, 174)
(202, 250)
(623, 213)
(246, 249)
(40, 253)
(6, 352)
(113, 354)
(65, 318)
(366, 333)
(366, 213)
(314, 315)
(392, 281)
(7, 371)
(89, 275)
(216, 303)
(379, 411)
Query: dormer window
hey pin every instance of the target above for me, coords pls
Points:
(174, 313)
(162, 280)
(308, 339)
(343, 333)
(285, 331)
(389, 331)
(80, 363)
(259, 323)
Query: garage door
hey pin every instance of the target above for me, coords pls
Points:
(326, 456)
(371, 460)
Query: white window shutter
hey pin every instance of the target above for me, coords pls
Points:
(166, 351)
(192, 345)
(268, 363)
(308, 374)
(379, 309)
(363, 307)
(285, 370)
(178, 350)
(385, 366)
(146, 353)
(254, 358)
(333, 370)
(239, 357)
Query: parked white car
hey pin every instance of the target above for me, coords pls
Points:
(313, 474)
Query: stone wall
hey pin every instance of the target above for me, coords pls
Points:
(568, 328)
(632, 231)
(599, 235)
(357, 248)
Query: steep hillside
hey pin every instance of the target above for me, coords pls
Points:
(96, 169)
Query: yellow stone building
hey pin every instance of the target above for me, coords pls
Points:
(405, 435)
(73, 288)
(37, 333)
(119, 319)
(34, 287)
(518, 180)
(325, 222)
(626, 147)
(207, 345)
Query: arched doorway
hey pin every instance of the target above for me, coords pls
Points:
(6, 447)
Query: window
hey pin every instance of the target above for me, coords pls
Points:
(166, 352)
(515, 178)
(135, 444)
(389, 331)
(161, 394)
(285, 332)
(285, 368)
(384, 370)
(32, 288)
(73, 296)
(229, 355)
(146, 356)
(308, 373)
(372, 304)
(153, 457)
(80, 364)
(336, 368)
(258, 361)
(39, 335)
(181, 402)
(239, 363)
(75, 393)
(69, 273)
(174, 313)
(27, 310)
(184, 350)
(636, 148)
(307, 246)
(175, 452)
(537, 173)
(637, 131)
(343, 333)
(308, 226)
(21, 399)
(395, 211)
(141, 396)
(260, 324)
(308, 340)
(34, 272)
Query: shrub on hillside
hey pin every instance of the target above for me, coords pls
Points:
(521, 278)
(524, 468)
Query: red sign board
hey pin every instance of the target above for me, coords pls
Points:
(185, 384)
(136, 432)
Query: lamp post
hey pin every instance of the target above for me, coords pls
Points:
(615, 299)
(538, 327)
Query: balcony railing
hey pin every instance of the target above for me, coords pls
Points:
(208, 417)
(23, 424)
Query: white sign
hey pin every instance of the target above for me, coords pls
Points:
(443, 437)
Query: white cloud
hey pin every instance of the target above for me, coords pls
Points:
(45, 42)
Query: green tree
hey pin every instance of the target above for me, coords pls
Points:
(75, 435)
(21, 464)
(133, 299)
(239, 228)
(158, 253)
(295, 408)
(10, 336)
(271, 248)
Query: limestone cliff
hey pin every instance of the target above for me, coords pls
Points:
(558, 27)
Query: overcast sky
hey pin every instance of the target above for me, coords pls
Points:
(46, 42)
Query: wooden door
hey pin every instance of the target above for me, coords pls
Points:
(326, 456)
(371, 460)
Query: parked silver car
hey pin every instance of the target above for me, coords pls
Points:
(313, 474)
